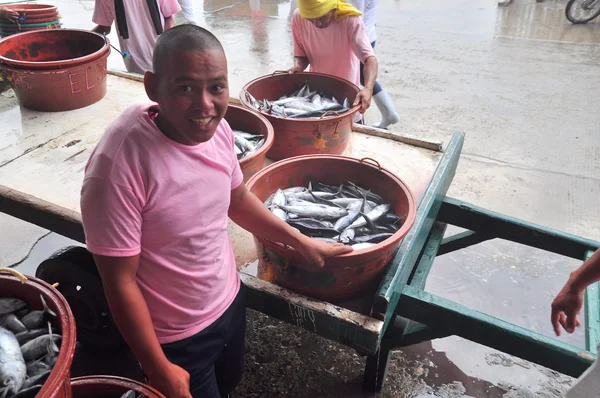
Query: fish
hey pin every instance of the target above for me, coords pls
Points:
(12, 323)
(29, 335)
(12, 364)
(247, 143)
(35, 319)
(40, 346)
(40, 378)
(38, 367)
(335, 214)
(129, 394)
(375, 238)
(316, 211)
(10, 305)
(360, 246)
(303, 103)
(373, 215)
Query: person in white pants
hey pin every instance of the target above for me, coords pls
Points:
(187, 8)
(380, 96)
(565, 307)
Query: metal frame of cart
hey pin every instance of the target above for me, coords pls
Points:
(402, 313)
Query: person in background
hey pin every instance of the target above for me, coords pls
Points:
(187, 8)
(139, 23)
(380, 96)
(565, 308)
(330, 37)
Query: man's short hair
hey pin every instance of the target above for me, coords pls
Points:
(185, 37)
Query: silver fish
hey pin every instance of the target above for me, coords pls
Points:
(251, 99)
(29, 335)
(292, 190)
(244, 134)
(37, 379)
(129, 394)
(12, 364)
(37, 368)
(35, 319)
(344, 222)
(243, 143)
(326, 240)
(375, 238)
(360, 246)
(373, 215)
(316, 211)
(12, 323)
(279, 199)
(40, 346)
(347, 235)
(30, 392)
(10, 305)
(281, 214)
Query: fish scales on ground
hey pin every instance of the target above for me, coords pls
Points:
(304, 103)
(247, 143)
(29, 347)
(347, 213)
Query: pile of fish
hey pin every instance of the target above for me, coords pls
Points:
(302, 104)
(28, 348)
(348, 214)
(247, 143)
(132, 394)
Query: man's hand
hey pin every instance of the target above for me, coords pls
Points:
(565, 307)
(364, 99)
(7, 13)
(295, 69)
(172, 381)
(315, 251)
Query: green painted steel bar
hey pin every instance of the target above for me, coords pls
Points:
(466, 215)
(455, 319)
(461, 241)
(401, 267)
(421, 272)
(592, 313)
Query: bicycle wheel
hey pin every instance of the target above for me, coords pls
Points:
(582, 11)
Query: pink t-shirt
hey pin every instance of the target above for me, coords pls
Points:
(336, 50)
(142, 33)
(146, 194)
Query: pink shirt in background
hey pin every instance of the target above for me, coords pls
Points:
(142, 34)
(146, 194)
(336, 50)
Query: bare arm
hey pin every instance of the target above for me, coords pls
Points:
(132, 317)
(250, 213)
(569, 301)
(169, 22)
(101, 29)
(366, 93)
(300, 64)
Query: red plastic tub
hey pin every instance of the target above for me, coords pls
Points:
(58, 384)
(48, 49)
(295, 137)
(344, 276)
(110, 387)
(246, 120)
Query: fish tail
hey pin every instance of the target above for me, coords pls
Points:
(46, 308)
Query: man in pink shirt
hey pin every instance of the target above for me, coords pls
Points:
(330, 36)
(157, 192)
(139, 23)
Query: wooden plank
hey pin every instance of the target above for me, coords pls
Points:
(449, 317)
(403, 263)
(339, 324)
(400, 137)
(461, 241)
(44, 214)
(126, 75)
(466, 215)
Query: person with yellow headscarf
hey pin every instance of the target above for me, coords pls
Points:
(330, 36)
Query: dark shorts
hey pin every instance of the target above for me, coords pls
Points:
(214, 357)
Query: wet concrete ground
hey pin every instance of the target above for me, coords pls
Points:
(521, 82)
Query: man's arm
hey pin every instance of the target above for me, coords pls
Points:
(169, 22)
(132, 317)
(101, 29)
(569, 301)
(366, 93)
(300, 64)
(250, 213)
